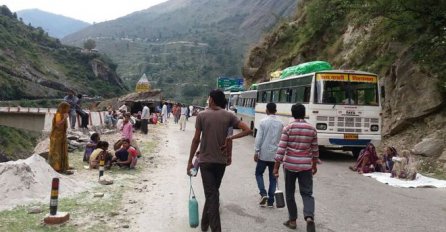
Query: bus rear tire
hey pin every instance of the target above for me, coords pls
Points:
(254, 132)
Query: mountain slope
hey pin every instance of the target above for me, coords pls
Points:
(401, 41)
(56, 25)
(184, 45)
(34, 66)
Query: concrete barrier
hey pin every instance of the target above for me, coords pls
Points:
(39, 119)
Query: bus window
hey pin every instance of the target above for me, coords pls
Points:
(283, 95)
(264, 97)
(289, 95)
(268, 96)
(307, 92)
(275, 97)
(299, 94)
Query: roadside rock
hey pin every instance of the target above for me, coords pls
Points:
(443, 157)
(98, 195)
(34, 210)
(429, 147)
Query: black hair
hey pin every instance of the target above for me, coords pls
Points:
(271, 107)
(102, 144)
(94, 136)
(79, 96)
(298, 111)
(218, 97)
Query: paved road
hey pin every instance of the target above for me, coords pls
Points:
(345, 201)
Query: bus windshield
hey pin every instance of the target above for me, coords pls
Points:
(347, 92)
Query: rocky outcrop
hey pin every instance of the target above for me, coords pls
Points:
(104, 72)
(410, 95)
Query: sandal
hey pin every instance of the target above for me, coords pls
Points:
(290, 225)
(352, 168)
(311, 227)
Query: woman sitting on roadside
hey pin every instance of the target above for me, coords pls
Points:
(367, 160)
(389, 153)
(126, 156)
(89, 148)
(404, 167)
(100, 153)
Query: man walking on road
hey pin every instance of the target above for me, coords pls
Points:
(145, 116)
(267, 140)
(298, 151)
(211, 129)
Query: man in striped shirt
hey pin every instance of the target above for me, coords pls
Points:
(298, 151)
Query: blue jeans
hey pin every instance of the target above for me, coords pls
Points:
(260, 169)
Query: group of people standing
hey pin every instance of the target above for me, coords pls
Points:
(76, 109)
(294, 146)
(181, 113)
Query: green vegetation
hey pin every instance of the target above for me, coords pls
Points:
(389, 28)
(34, 65)
(184, 47)
(16, 144)
(87, 213)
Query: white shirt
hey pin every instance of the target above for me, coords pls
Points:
(164, 110)
(145, 113)
(268, 137)
(183, 110)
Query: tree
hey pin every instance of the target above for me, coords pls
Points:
(89, 44)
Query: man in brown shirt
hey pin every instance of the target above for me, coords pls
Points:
(211, 129)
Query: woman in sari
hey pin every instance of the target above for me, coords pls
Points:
(58, 154)
(366, 161)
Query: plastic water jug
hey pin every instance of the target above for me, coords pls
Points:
(193, 212)
(193, 208)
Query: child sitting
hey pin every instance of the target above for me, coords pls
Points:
(100, 153)
(404, 167)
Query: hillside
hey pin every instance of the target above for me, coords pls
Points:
(34, 65)
(401, 41)
(184, 45)
(56, 25)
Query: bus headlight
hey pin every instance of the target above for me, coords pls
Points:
(374, 128)
(321, 126)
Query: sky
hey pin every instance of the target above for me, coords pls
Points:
(90, 11)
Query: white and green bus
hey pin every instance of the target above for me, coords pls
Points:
(344, 106)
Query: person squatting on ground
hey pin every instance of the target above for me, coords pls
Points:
(126, 156)
(71, 99)
(367, 160)
(90, 146)
(58, 153)
(298, 151)
(127, 132)
(404, 167)
(266, 144)
(211, 129)
(100, 153)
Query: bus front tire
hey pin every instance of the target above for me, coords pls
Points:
(356, 151)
